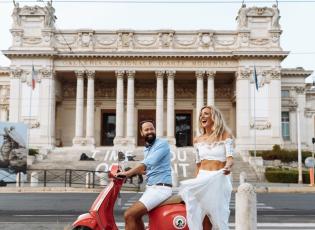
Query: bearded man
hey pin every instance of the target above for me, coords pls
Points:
(157, 168)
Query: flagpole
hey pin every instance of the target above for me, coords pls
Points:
(30, 109)
(255, 88)
(255, 125)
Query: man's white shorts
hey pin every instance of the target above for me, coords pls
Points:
(155, 195)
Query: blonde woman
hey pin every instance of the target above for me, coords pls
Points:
(207, 196)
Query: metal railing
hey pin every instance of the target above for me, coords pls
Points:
(60, 178)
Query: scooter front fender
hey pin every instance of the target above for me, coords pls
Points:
(86, 220)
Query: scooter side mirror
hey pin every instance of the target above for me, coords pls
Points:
(121, 156)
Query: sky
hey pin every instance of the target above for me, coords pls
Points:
(297, 20)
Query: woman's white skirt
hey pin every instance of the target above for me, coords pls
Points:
(207, 194)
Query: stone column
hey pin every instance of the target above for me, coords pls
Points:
(159, 103)
(90, 108)
(119, 107)
(170, 107)
(48, 105)
(210, 87)
(292, 118)
(275, 106)
(4, 103)
(79, 110)
(15, 95)
(3, 112)
(131, 108)
(243, 108)
(199, 98)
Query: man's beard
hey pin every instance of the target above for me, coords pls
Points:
(150, 138)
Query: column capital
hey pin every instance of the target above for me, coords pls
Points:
(243, 74)
(16, 73)
(119, 73)
(90, 74)
(79, 73)
(170, 74)
(130, 73)
(159, 73)
(199, 74)
(45, 73)
(210, 74)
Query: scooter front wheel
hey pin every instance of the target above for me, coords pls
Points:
(81, 228)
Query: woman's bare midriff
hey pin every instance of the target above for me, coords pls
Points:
(211, 165)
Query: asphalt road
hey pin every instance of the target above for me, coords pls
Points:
(58, 210)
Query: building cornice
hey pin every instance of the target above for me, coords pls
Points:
(29, 53)
(136, 54)
(295, 72)
(4, 71)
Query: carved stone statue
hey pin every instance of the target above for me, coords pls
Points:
(16, 15)
(242, 16)
(276, 17)
(50, 15)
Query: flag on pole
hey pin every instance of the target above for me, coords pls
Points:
(255, 78)
(33, 77)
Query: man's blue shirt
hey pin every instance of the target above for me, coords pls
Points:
(157, 159)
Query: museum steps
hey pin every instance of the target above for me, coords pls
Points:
(183, 162)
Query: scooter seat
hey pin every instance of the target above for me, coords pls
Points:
(175, 199)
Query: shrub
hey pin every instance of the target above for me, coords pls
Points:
(278, 175)
(32, 152)
(284, 155)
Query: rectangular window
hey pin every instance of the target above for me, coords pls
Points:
(285, 93)
(285, 125)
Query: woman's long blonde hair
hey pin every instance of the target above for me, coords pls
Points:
(219, 126)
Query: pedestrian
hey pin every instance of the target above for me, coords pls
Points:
(207, 196)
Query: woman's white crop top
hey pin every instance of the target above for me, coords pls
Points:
(219, 150)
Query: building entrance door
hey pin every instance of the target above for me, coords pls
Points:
(108, 130)
(183, 128)
(143, 115)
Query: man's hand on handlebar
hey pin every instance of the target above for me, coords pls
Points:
(122, 174)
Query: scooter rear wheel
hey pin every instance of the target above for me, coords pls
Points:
(81, 228)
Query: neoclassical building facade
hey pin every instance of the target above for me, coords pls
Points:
(93, 87)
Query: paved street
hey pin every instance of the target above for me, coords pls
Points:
(57, 210)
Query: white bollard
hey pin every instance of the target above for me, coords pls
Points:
(174, 179)
(88, 179)
(245, 208)
(243, 178)
(34, 179)
(18, 179)
(103, 179)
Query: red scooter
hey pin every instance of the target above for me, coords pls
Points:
(170, 215)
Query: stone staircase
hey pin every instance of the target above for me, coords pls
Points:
(183, 162)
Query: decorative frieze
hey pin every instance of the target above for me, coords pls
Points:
(166, 39)
(85, 39)
(260, 124)
(125, 40)
(223, 92)
(206, 39)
